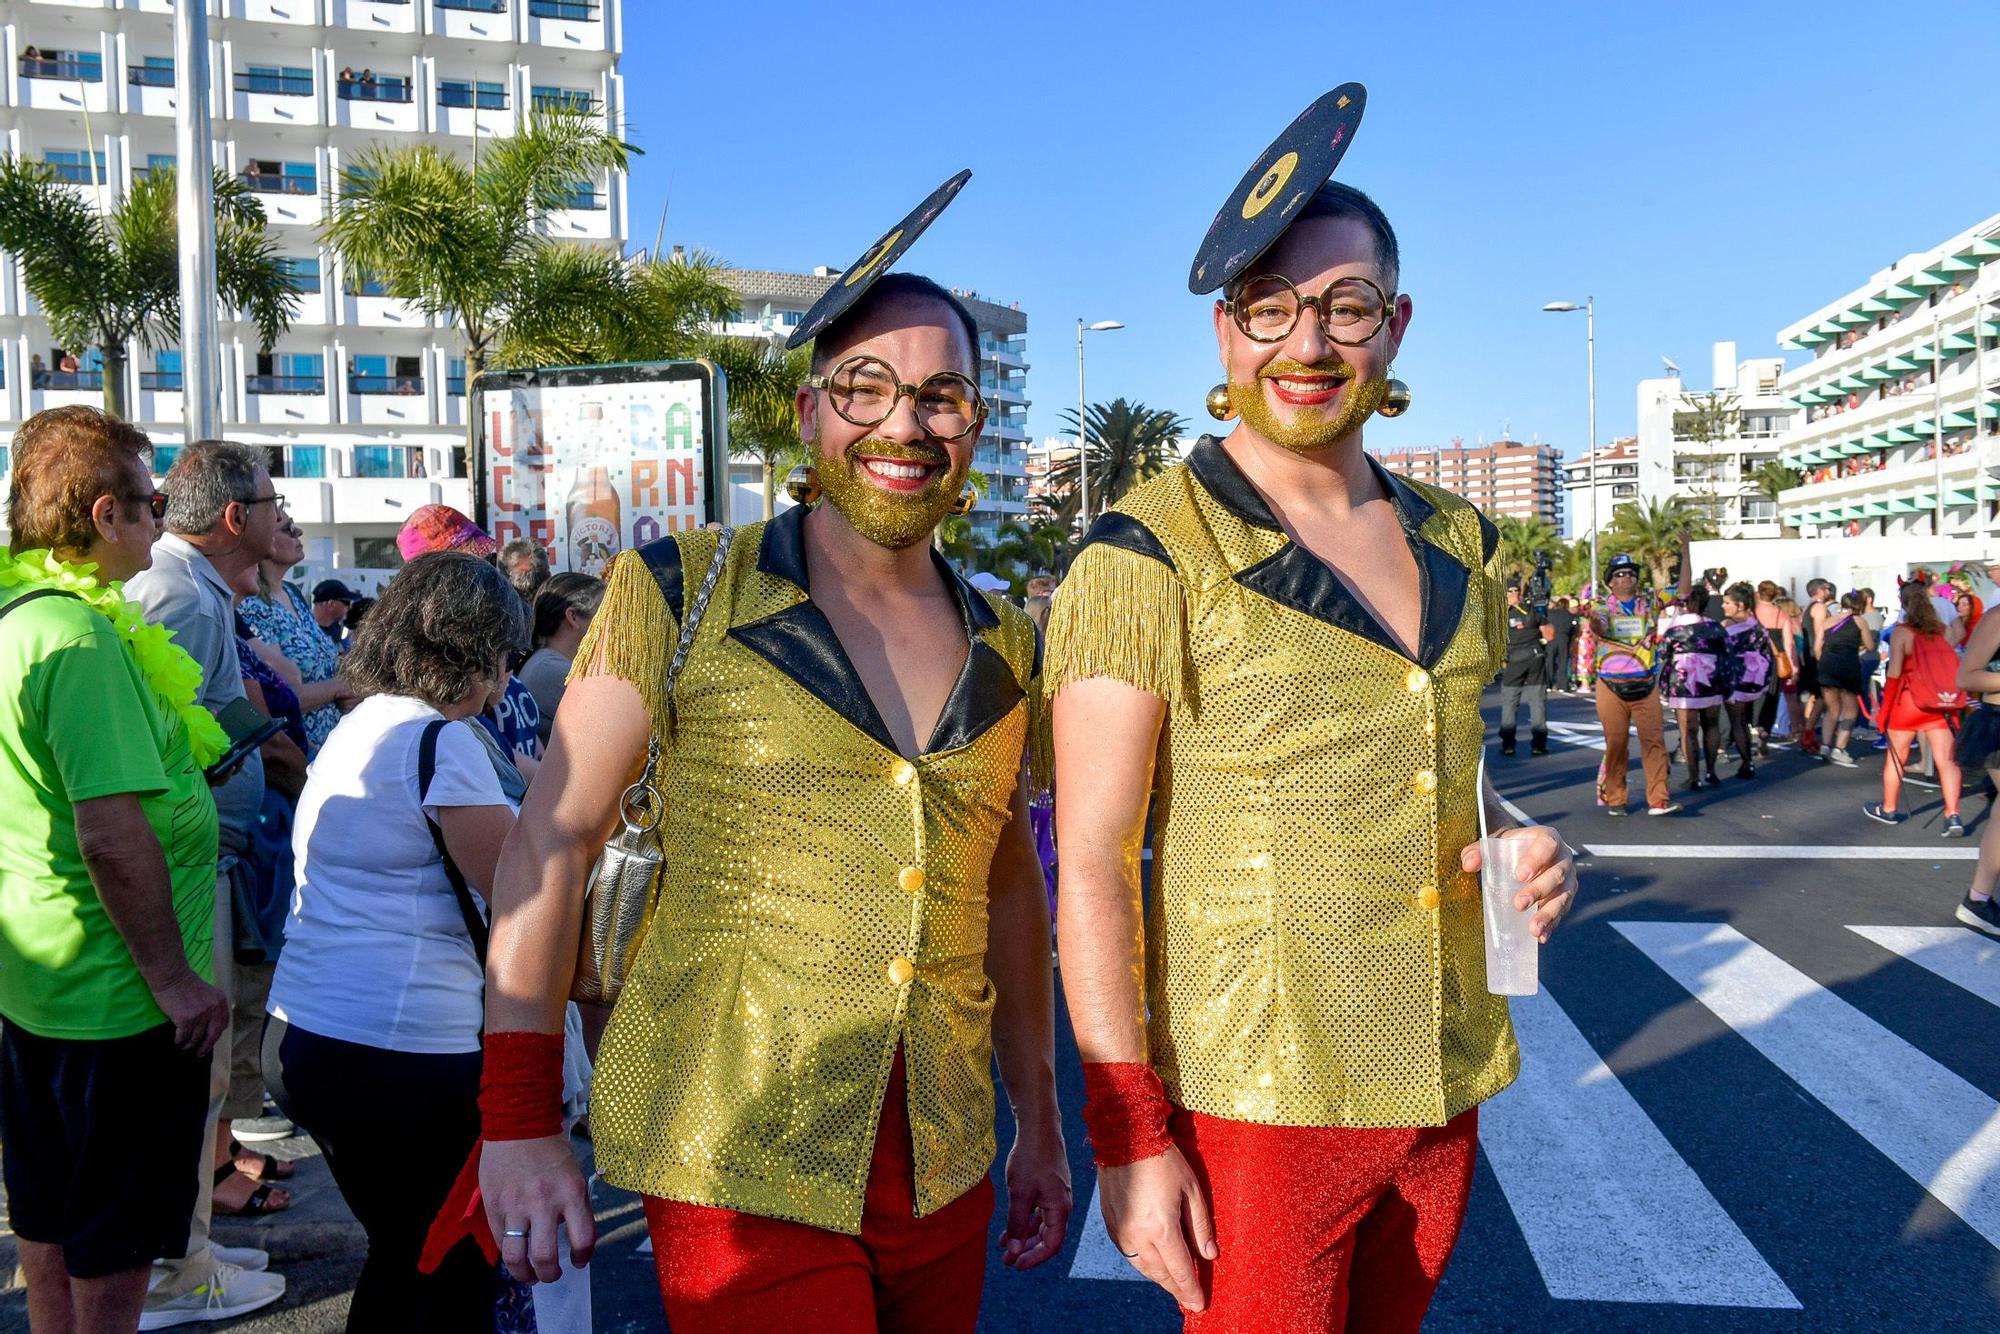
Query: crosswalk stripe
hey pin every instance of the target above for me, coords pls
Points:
(1096, 1254)
(1610, 1211)
(1926, 1120)
(1782, 852)
(1961, 957)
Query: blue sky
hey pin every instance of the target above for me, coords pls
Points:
(1708, 171)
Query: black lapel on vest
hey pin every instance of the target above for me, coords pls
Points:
(986, 690)
(1296, 578)
(800, 642)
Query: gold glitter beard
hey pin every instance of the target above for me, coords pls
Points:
(1309, 429)
(892, 519)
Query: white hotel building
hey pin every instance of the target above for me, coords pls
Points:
(1901, 364)
(771, 304)
(361, 404)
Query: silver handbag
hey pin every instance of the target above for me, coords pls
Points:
(623, 884)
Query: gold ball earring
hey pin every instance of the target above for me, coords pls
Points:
(1396, 402)
(802, 485)
(967, 499)
(1219, 404)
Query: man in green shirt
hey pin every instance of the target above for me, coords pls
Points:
(107, 888)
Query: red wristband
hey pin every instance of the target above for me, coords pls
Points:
(520, 1097)
(520, 1087)
(1125, 1109)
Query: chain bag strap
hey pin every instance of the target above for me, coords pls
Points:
(619, 893)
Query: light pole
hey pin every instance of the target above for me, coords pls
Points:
(1589, 309)
(1082, 471)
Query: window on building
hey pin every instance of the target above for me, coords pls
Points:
(303, 461)
(380, 553)
(454, 380)
(82, 66)
(268, 176)
(163, 458)
(166, 373)
(276, 80)
(550, 97)
(360, 284)
(74, 165)
(472, 93)
(388, 461)
(152, 72)
(577, 11)
(582, 195)
(374, 374)
(301, 271)
(288, 373)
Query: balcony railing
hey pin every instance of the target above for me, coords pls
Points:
(480, 99)
(353, 90)
(581, 11)
(405, 385)
(150, 76)
(66, 379)
(279, 85)
(161, 381)
(285, 384)
(564, 102)
(38, 67)
(76, 173)
(271, 183)
(584, 199)
(475, 6)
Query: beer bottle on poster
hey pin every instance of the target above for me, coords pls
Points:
(593, 522)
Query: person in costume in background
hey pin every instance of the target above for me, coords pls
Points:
(1624, 626)
(1276, 652)
(851, 920)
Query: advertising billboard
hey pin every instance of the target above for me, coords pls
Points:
(589, 461)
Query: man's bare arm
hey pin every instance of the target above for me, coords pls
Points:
(129, 869)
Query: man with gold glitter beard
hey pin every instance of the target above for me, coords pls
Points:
(1270, 660)
(851, 919)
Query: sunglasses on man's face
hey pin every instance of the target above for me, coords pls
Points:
(156, 501)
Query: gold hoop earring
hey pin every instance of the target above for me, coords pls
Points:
(967, 500)
(1396, 402)
(1219, 403)
(802, 485)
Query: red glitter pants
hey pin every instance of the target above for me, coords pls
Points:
(1326, 1229)
(736, 1273)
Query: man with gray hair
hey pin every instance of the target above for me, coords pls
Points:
(222, 519)
(526, 566)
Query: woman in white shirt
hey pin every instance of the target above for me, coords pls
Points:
(376, 1007)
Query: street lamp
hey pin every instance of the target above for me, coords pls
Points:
(1589, 309)
(1082, 471)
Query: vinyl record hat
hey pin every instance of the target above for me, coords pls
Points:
(875, 261)
(1284, 176)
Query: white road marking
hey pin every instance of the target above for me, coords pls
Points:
(1959, 956)
(1097, 1255)
(1610, 1211)
(1933, 1125)
(1781, 852)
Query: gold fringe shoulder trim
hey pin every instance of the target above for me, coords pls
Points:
(1121, 615)
(632, 637)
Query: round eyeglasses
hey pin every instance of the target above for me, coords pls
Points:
(1350, 311)
(864, 390)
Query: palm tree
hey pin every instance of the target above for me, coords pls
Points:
(1772, 477)
(468, 239)
(763, 403)
(1651, 531)
(107, 280)
(1522, 542)
(1570, 570)
(1124, 444)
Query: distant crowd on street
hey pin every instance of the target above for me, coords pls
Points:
(1743, 667)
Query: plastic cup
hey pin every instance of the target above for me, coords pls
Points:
(1512, 953)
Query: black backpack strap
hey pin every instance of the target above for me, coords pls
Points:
(475, 925)
(28, 597)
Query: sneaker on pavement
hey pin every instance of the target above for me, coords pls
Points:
(261, 1129)
(1982, 915)
(247, 1258)
(1873, 810)
(1671, 808)
(1953, 827)
(1881, 742)
(1838, 755)
(1616, 810)
(230, 1292)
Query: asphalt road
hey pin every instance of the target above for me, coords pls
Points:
(1761, 1091)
